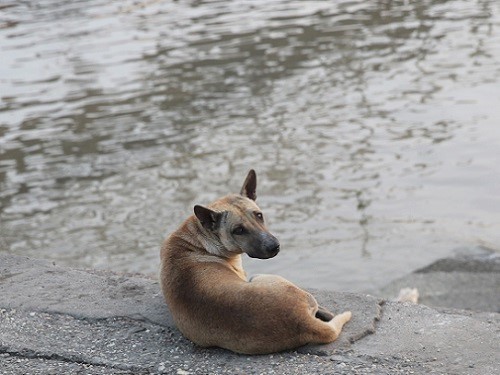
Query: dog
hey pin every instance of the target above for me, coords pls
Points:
(211, 300)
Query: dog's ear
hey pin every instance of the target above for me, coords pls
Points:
(250, 186)
(208, 218)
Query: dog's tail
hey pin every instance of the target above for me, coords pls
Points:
(324, 332)
(339, 320)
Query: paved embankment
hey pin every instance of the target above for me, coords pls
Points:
(56, 320)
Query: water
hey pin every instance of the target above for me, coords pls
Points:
(373, 127)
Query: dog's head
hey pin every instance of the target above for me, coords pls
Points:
(235, 224)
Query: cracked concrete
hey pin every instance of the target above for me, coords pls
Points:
(55, 320)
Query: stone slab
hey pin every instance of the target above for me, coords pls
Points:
(58, 320)
(470, 280)
(38, 285)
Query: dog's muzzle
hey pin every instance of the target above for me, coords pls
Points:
(269, 247)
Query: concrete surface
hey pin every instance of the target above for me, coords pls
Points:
(55, 320)
(469, 280)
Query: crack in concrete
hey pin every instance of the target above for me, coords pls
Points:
(31, 354)
(370, 330)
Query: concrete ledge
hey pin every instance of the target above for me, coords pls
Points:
(57, 320)
(41, 286)
(470, 280)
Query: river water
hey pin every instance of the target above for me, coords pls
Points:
(374, 127)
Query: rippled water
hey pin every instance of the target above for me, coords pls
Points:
(373, 126)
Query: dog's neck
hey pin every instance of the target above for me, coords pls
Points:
(206, 248)
(237, 265)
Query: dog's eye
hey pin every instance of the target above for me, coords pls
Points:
(239, 229)
(259, 216)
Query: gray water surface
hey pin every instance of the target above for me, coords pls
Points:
(374, 127)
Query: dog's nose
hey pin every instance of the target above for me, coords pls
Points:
(273, 247)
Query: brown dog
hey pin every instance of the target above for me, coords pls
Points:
(211, 300)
